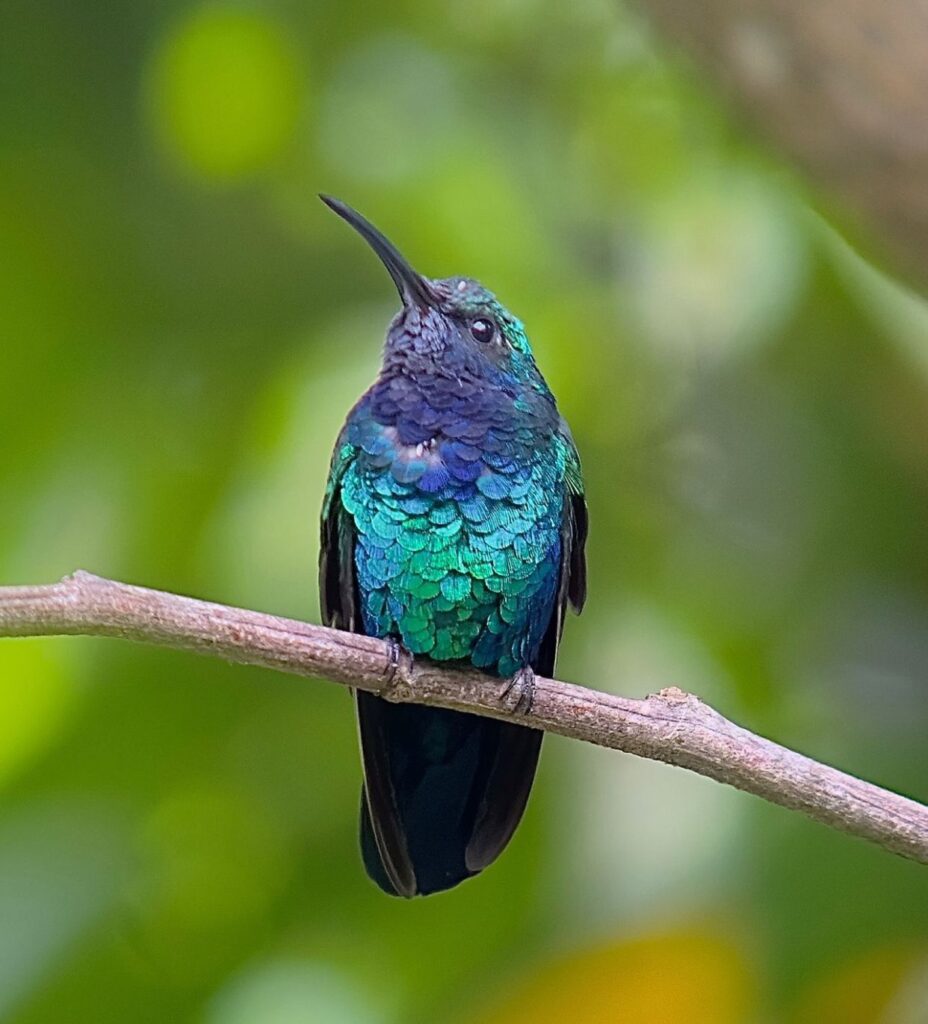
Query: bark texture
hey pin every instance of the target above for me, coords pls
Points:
(839, 86)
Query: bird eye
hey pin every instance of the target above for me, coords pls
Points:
(482, 330)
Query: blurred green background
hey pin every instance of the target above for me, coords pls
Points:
(183, 327)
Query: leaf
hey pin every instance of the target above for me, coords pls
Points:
(681, 977)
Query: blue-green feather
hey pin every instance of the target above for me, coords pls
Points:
(458, 548)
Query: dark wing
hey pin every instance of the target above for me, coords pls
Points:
(510, 779)
(340, 605)
(338, 592)
(572, 580)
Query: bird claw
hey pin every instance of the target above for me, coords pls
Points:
(522, 684)
(398, 654)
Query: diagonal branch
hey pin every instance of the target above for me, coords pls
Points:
(670, 726)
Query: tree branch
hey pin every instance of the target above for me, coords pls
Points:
(841, 86)
(671, 726)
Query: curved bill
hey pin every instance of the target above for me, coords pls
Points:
(413, 287)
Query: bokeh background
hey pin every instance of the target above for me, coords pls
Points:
(182, 329)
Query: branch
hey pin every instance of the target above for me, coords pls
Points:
(671, 726)
(841, 86)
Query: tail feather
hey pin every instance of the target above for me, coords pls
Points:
(373, 863)
(455, 788)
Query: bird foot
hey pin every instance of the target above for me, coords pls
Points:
(396, 659)
(518, 692)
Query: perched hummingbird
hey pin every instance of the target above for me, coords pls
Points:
(453, 526)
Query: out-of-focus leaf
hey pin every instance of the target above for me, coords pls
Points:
(36, 698)
(395, 97)
(61, 866)
(684, 977)
(224, 92)
(215, 862)
(292, 992)
(870, 989)
(727, 248)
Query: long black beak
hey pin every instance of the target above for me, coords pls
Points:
(412, 286)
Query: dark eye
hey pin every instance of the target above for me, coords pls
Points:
(482, 330)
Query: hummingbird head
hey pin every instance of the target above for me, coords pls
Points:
(451, 326)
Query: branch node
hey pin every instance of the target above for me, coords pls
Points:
(79, 577)
(674, 695)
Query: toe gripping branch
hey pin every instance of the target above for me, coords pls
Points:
(517, 694)
(399, 658)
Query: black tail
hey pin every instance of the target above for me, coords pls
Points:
(444, 791)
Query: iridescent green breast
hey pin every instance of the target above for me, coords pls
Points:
(457, 550)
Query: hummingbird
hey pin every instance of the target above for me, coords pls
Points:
(453, 527)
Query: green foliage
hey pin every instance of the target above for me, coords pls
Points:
(184, 327)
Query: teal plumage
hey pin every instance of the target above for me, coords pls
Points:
(452, 571)
(453, 524)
